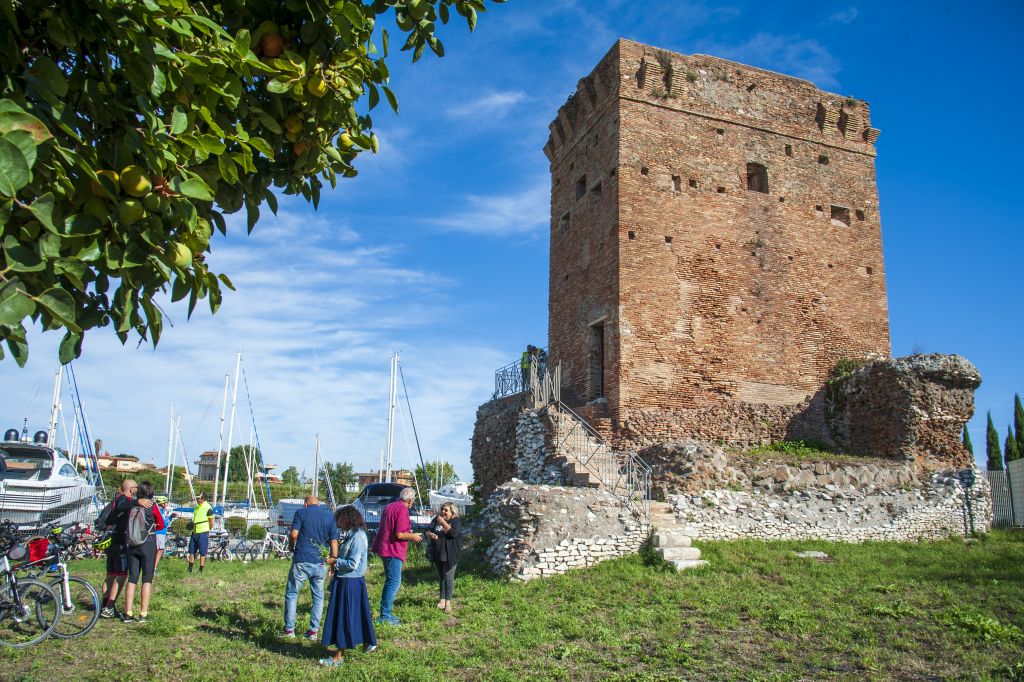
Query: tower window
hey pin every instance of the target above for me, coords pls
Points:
(668, 239)
(693, 183)
(644, 170)
(632, 234)
(581, 186)
(596, 190)
(840, 216)
(565, 222)
(757, 178)
(860, 214)
(789, 150)
(596, 378)
(677, 182)
(822, 159)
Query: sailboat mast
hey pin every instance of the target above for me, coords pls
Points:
(392, 399)
(316, 467)
(220, 441)
(170, 452)
(51, 431)
(231, 429)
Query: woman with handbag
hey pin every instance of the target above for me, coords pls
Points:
(348, 621)
(445, 548)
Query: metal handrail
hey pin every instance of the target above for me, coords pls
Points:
(509, 379)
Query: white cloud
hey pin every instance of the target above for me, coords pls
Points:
(496, 215)
(316, 315)
(493, 105)
(791, 55)
(844, 17)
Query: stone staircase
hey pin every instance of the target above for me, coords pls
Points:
(587, 461)
(672, 540)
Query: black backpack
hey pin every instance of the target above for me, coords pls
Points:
(105, 520)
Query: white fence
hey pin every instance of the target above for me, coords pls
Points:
(1007, 495)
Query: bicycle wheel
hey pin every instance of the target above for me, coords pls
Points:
(31, 617)
(84, 611)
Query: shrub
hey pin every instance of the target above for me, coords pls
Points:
(179, 526)
(256, 533)
(235, 525)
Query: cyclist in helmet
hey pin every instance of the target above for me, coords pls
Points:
(161, 535)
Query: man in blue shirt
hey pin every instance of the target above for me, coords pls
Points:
(313, 530)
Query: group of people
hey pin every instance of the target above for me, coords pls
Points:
(324, 543)
(133, 557)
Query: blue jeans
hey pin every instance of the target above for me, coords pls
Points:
(300, 573)
(392, 581)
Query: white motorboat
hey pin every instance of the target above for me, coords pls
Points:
(39, 486)
(456, 493)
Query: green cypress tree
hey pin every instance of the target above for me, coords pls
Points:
(967, 440)
(1018, 423)
(995, 456)
(1010, 451)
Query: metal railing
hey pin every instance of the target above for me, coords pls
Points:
(514, 378)
(1007, 490)
(624, 474)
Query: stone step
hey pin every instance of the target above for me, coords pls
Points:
(678, 553)
(683, 565)
(671, 539)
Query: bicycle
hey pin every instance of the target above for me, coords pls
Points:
(272, 544)
(222, 552)
(29, 608)
(79, 601)
(177, 546)
(243, 549)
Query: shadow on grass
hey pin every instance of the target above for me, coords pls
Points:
(257, 632)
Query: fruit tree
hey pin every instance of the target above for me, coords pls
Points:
(129, 128)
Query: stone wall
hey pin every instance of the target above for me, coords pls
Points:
(909, 408)
(494, 441)
(541, 530)
(843, 513)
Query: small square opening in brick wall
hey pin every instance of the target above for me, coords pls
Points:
(611, 173)
(596, 190)
(677, 183)
(757, 178)
(822, 159)
(693, 183)
(721, 190)
(565, 222)
(868, 270)
(819, 211)
(789, 150)
(632, 234)
(581, 186)
(860, 214)
(720, 132)
(644, 170)
(668, 239)
(840, 216)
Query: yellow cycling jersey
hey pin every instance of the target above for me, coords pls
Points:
(201, 518)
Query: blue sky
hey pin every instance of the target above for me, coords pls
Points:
(438, 248)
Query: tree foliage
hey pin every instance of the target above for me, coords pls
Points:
(237, 470)
(290, 476)
(130, 128)
(1018, 423)
(967, 440)
(342, 475)
(439, 472)
(1010, 451)
(994, 454)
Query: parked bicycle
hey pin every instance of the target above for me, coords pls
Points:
(222, 550)
(272, 545)
(177, 546)
(29, 609)
(79, 601)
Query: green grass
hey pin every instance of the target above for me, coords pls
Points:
(941, 610)
(796, 451)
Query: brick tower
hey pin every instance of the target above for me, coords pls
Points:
(715, 248)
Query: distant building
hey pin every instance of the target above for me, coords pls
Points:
(122, 463)
(400, 476)
(208, 465)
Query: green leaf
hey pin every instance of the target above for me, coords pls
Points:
(45, 71)
(42, 209)
(374, 96)
(179, 121)
(20, 257)
(392, 100)
(195, 188)
(70, 347)
(384, 40)
(19, 348)
(61, 305)
(271, 198)
(26, 143)
(179, 289)
(14, 169)
(13, 117)
(15, 305)
(158, 82)
(252, 214)
(227, 282)
(280, 85)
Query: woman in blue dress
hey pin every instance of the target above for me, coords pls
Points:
(348, 621)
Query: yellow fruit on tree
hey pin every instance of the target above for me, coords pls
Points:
(374, 143)
(345, 140)
(152, 202)
(108, 184)
(135, 181)
(293, 123)
(182, 256)
(130, 211)
(404, 21)
(97, 208)
(316, 86)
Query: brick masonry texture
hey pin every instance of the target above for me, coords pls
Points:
(697, 306)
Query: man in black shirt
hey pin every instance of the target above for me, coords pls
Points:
(117, 553)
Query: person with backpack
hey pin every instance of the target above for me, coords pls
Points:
(141, 543)
(113, 521)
